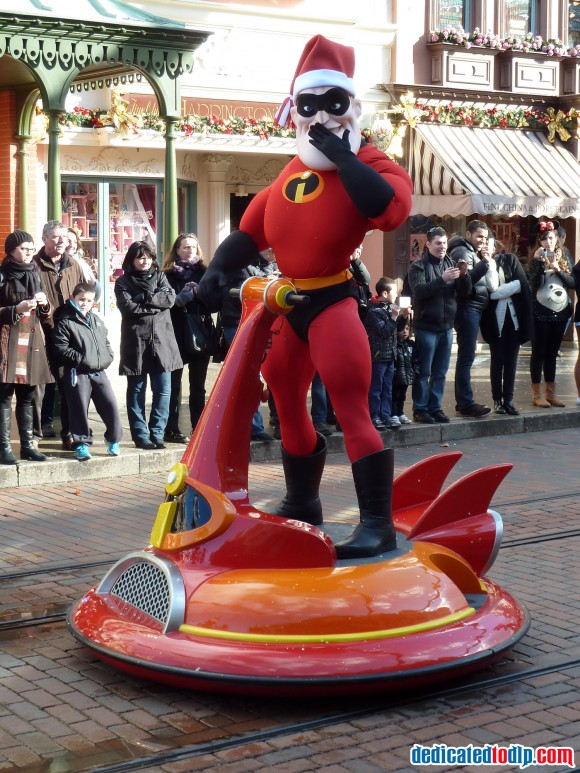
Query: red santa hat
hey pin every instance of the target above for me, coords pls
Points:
(323, 63)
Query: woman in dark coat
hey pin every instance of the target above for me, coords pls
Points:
(23, 361)
(184, 268)
(505, 324)
(148, 346)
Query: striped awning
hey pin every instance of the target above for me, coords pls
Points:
(460, 170)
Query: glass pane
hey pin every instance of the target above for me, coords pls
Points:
(451, 13)
(574, 27)
(193, 511)
(132, 218)
(519, 17)
(79, 212)
(182, 192)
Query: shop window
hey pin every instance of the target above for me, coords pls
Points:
(521, 17)
(80, 212)
(454, 13)
(132, 218)
(574, 22)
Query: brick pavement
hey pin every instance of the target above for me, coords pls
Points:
(59, 705)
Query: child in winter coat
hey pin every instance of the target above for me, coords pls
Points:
(406, 368)
(381, 326)
(82, 347)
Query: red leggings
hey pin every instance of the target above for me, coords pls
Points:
(338, 349)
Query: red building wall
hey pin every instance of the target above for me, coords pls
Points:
(8, 213)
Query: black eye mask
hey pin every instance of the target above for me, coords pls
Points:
(334, 101)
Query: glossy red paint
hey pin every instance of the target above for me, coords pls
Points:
(249, 602)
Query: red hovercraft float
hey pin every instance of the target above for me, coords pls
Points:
(228, 598)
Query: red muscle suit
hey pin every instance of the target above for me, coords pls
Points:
(314, 216)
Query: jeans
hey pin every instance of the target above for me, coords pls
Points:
(433, 354)
(318, 410)
(257, 419)
(467, 327)
(136, 392)
(381, 390)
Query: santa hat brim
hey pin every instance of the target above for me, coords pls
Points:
(315, 78)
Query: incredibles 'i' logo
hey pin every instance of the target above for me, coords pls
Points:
(303, 187)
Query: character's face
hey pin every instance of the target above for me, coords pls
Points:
(23, 253)
(55, 242)
(187, 250)
(552, 293)
(333, 108)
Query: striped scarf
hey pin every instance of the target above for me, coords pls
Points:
(25, 326)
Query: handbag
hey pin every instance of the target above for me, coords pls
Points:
(201, 336)
(551, 293)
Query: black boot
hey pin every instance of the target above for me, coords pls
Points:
(24, 415)
(373, 481)
(303, 475)
(6, 455)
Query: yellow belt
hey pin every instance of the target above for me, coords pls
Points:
(318, 282)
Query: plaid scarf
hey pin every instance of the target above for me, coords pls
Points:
(21, 374)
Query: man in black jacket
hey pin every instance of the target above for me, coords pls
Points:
(473, 249)
(434, 279)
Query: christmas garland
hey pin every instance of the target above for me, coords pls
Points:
(83, 118)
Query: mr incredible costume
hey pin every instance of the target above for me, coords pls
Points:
(314, 215)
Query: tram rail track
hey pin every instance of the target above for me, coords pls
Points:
(372, 706)
(27, 620)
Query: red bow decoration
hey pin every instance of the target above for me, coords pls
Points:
(546, 226)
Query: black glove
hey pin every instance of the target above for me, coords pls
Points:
(370, 192)
(335, 148)
(236, 251)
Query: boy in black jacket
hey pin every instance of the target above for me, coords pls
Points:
(381, 326)
(82, 347)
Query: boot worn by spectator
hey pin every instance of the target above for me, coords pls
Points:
(263, 437)
(440, 417)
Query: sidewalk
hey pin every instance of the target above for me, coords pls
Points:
(62, 467)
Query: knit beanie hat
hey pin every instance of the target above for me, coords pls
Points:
(15, 239)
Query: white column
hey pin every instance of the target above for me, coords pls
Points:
(218, 209)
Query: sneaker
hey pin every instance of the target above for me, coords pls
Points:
(499, 408)
(440, 417)
(113, 449)
(323, 429)
(82, 453)
(405, 419)
(378, 424)
(48, 430)
(391, 422)
(474, 411)
(423, 417)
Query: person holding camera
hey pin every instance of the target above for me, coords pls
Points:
(550, 277)
(23, 360)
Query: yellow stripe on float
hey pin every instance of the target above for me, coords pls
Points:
(194, 630)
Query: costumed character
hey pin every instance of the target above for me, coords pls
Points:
(314, 216)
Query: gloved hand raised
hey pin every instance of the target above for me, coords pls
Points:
(336, 149)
